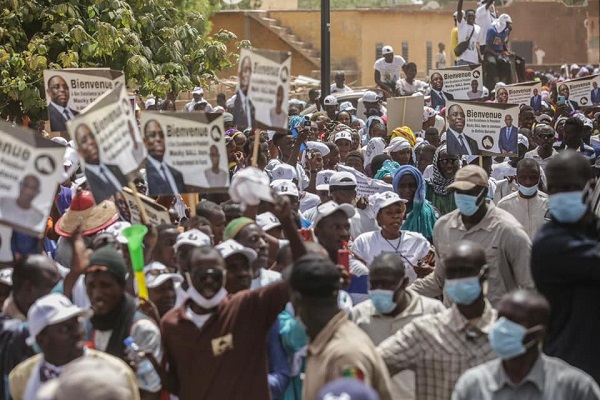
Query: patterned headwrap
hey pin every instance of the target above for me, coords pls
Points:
(406, 133)
(295, 121)
(388, 168)
(438, 181)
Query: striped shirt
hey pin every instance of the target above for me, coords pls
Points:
(439, 348)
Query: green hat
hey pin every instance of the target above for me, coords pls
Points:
(107, 258)
(235, 226)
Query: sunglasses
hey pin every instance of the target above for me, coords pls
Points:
(214, 274)
(446, 161)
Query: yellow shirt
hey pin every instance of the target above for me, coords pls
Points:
(453, 43)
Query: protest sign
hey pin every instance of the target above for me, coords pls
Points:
(366, 186)
(69, 91)
(464, 82)
(30, 170)
(580, 92)
(186, 152)
(261, 99)
(521, 93)
(481, 128)
(108, 141)
(405, 111)
(130, 212)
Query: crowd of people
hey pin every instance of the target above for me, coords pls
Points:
(375, 263)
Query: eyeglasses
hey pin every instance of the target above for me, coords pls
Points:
(446, 161)
(214, 274)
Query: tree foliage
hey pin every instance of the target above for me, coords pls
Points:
(162, 45)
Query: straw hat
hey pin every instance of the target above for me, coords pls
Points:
(93, 217)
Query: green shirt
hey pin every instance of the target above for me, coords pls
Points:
(444, 203)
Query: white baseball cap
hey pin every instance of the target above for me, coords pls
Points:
(522, 139)
(323, 178)
(370, 97)
(51, 309)
(6, 276)
(385, 199)
(347, 106)
(157, 273)
(326, 209)
(284, 171)
(198, 90)
(387, 50)
(342, 135)
(330, 101)
(319, 146)
(192, 237)
(230, 247)
(342, 179)
(267, 221)
(285, 187)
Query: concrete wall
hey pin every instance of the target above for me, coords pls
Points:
(557, 29)
(279, 4)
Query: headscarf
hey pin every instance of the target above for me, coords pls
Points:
(421, 214)
(295, 121)
(397, 144)
(406, 133)
(501, 21)
(364, 132)
(373, 148)
(438, 181)
(388, 168)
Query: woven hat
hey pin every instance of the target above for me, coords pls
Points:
(93, 217)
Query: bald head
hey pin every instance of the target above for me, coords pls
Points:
(568, 171)
(464, 259)
(525, 307)
(390, 263)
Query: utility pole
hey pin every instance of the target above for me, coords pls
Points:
(325, 48)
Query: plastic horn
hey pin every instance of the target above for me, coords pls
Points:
(135, 236)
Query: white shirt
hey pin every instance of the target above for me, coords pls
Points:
(308, 200)
(335, 89)
(484, 18)
(428, 173)
(542, 161)
(198, 319)
(390, 72)
(362, 222)
(406, 89)
(265, 278)
(165, 172)
(440, 60)
(410, 245)
(502, 170)
(529, 212)
(474, 95)
(464, 31)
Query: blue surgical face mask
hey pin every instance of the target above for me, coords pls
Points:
(383, 300)
(506, 338)
(59, 287)
(463, 290)
(567, 207)
(528, 191)
(466, 203)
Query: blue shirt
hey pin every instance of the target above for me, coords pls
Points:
(497, 39)
(279, 371)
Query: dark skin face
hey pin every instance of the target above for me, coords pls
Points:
(245, 73)
(58, 90)
(411, 73)
(181, 256)
(253, 237)
(402, 157)
(87, 145)
(355, 162)
(343, 196)
(544, 139)
(388, 279)
(199, 263)
(502, 95)
(508, 120)
(425, 159)
(378, 131)
(345, 147)
(448, 164)
(154, 140)
(526, 119)
(61, 343)
(332, 231)
(217, 223)
(456, 118)
(104, 291)
(343, 118)
(572, 136)
(30, 188)
(528, 176)
(30, 292)
(214, 157)
(390, 219)
(285, 145)
(437, 82)
(565, 179)
(407, 187)
(433, 139)
(331, 159)
(163, 297)
(239, 273)
(563, 90)
(163, 251)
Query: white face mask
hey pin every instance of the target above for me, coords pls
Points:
(201, 300)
